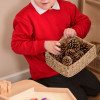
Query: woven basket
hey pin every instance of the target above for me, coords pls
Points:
(69, 71)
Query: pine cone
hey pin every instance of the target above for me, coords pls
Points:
(57, 57)
(77, 56)
(73, 43)
(67, 61)
(80, 53)
(63, 46)
(70, 52)
(84, 47)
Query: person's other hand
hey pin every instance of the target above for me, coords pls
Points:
(69, 32)
(52, 47)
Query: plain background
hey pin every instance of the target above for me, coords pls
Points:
(9, 61)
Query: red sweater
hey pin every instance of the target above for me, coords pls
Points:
(31, 30)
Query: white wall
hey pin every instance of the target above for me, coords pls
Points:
(92, 10)
(10, 63)
(74, 1)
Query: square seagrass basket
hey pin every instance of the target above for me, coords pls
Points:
(69, 71)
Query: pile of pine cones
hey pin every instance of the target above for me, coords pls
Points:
(72, 49)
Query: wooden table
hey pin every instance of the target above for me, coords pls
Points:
(23, 85)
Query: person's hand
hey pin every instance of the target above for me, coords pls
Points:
(69, 32)
(52, 47)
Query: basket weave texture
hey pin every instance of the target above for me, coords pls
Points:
(73, 69)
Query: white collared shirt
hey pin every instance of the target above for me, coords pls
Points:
(41, 11)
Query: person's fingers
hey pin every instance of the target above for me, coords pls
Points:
(58, 44)
(70, 33)
(73, 33)
(55, 52)
(57, 48)
(65, 35)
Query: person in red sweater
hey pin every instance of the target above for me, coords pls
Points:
(38, 28)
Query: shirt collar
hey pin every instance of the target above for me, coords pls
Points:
(41, 11)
